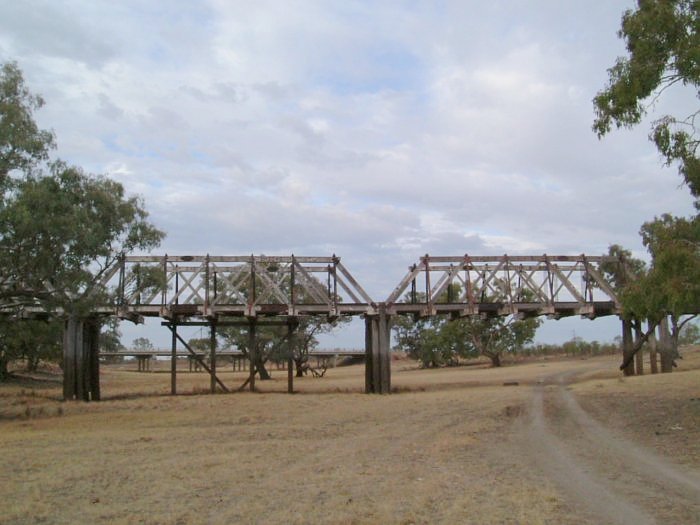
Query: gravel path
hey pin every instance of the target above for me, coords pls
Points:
(603, 475)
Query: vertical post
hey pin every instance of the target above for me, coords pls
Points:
(290, 358)
(251, 354)
(212, 357)
(384, 339)
(173, 360)
(369, 361)
(92, 359)
(80, 355)
(69, 334)
(377, 353)
(81, 368)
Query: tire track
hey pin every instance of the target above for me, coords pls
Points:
(589, 492)
(642, 460)
(608, 477)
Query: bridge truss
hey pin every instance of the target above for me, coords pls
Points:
(556, 286)
(236, 286)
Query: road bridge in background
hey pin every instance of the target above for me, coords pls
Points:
(254, 291)
(239, 359)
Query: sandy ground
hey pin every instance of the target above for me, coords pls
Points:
(573, 442)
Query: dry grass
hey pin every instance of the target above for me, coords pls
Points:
(441, 450)
(659, 411)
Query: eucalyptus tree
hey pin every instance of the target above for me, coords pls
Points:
(440, 340)
(61, 229)
(662, 38)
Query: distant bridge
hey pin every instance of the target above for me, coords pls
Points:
(237, 357)
(253, 291)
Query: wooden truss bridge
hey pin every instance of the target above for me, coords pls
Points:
(254, 291)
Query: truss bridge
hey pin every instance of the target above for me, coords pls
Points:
(254, 291)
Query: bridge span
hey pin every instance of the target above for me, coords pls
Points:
(253, 291)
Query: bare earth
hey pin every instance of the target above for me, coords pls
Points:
(573, 442)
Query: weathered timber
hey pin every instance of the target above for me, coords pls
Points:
(173, 361)
(80, 359)
(212, 357)
(377, 356)
(197, 357)
(252, 351)
(209, 290)
(290, 357)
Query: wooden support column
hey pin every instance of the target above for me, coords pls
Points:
(290, 357)
(81, 367)
(252, 340)
(377, 353)
(173, 361)
(212, 357)
(92, 339)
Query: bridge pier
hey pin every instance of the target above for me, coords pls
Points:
(291, 327)
(173, 361)
(81, 364)
(377, 356)
(212, 358)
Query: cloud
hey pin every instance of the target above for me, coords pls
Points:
(373, 130)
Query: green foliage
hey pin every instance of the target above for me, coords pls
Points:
(61, 229)
(672, 285)
(429, 340)
(439, 341)
(200, 344)
(22, 143)
(662, 39)
(624, 270)
(110, 336)
(30, 340)
(64, 229)
(575, 347)
(142, 344)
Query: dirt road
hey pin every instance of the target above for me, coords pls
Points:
(603, 475)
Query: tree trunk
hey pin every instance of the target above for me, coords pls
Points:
(627, 347)
(32, 363)
(639, 356)
(653, 361)
(665, 347)
(262, 371)
(4, 372)
(495, 359)
(299, 365)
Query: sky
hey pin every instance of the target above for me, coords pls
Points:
(378, 131)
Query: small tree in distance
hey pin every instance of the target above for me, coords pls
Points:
(142, 344)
